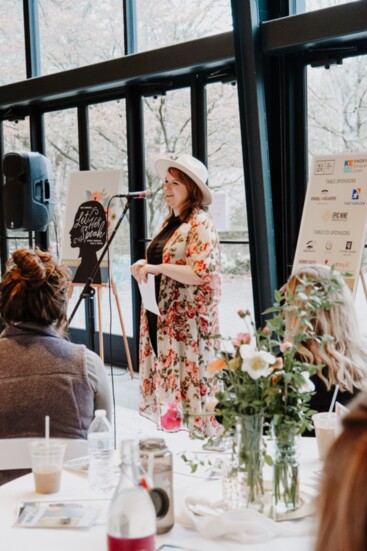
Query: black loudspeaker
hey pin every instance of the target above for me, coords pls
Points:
(29, 194)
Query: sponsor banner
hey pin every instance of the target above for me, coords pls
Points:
(334, 220)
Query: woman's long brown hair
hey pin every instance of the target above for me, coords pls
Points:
(343, 496)
(195, 197)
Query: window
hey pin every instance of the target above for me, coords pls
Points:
(16, 139)
(108, 151)
(337, 122)
(171, 21)
(167, 126)
(227, 181)
(311, 5)
(73, 34)
(12, 58)
(63, 152)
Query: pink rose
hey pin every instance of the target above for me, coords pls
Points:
(171, 419)
(285, 345)
(241, 338)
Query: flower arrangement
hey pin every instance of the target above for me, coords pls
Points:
(265, 373)
(243, 371)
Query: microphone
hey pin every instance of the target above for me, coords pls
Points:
(146, 194)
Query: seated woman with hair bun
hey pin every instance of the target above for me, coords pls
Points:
(42, 373)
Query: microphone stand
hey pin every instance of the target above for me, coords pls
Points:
(88, 291)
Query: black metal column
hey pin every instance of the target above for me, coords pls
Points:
(83, 137)
(84, 164)
(4, 249)
(130, 30)
(199, 120)
(37, 133)
(255, 152)
(31, 38)
(136, 168)
(287, 125)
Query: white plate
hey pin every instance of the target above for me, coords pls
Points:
(206, 507)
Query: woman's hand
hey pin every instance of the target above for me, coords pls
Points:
(149, 269)
(136, 268)
(141, 269)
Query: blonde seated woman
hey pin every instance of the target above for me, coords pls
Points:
(345, 357)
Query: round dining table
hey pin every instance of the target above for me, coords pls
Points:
(230, 531)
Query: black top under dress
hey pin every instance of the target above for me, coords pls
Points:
(155, 256)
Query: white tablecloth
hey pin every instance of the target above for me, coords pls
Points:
(74, 486)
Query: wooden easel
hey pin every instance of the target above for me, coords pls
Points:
(99, 287)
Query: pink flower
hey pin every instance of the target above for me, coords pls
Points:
(171, 419)
(283, 347)
(241, 338)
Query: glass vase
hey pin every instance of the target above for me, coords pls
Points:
(285, 472)
(249, 433)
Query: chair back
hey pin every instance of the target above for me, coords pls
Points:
(14, 452)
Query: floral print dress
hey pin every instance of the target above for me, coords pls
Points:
(185, 328)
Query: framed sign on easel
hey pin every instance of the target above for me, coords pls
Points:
(334, 220)
(91, 206)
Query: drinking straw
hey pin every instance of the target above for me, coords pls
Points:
(47, 428)
(333, 400)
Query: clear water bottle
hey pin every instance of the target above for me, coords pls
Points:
(100, 452)
(131, 518)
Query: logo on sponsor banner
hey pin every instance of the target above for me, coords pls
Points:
(306, 261)
(324, 167)
(342, 266)
(310, 245)
(328, 245)
(354, 165)
(326, 216)
(348, 245)
(339, 216)
(323, 196)
(348, 166)
(356, 193)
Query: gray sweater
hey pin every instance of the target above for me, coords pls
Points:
(43, 374)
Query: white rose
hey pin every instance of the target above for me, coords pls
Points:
(256, 362)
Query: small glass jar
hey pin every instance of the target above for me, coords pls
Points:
(156, 459)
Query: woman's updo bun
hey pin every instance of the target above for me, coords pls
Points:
(30, 266)
(34, 289)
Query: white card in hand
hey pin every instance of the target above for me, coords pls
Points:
(147, 291)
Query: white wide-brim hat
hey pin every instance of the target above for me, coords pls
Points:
(190, 166)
